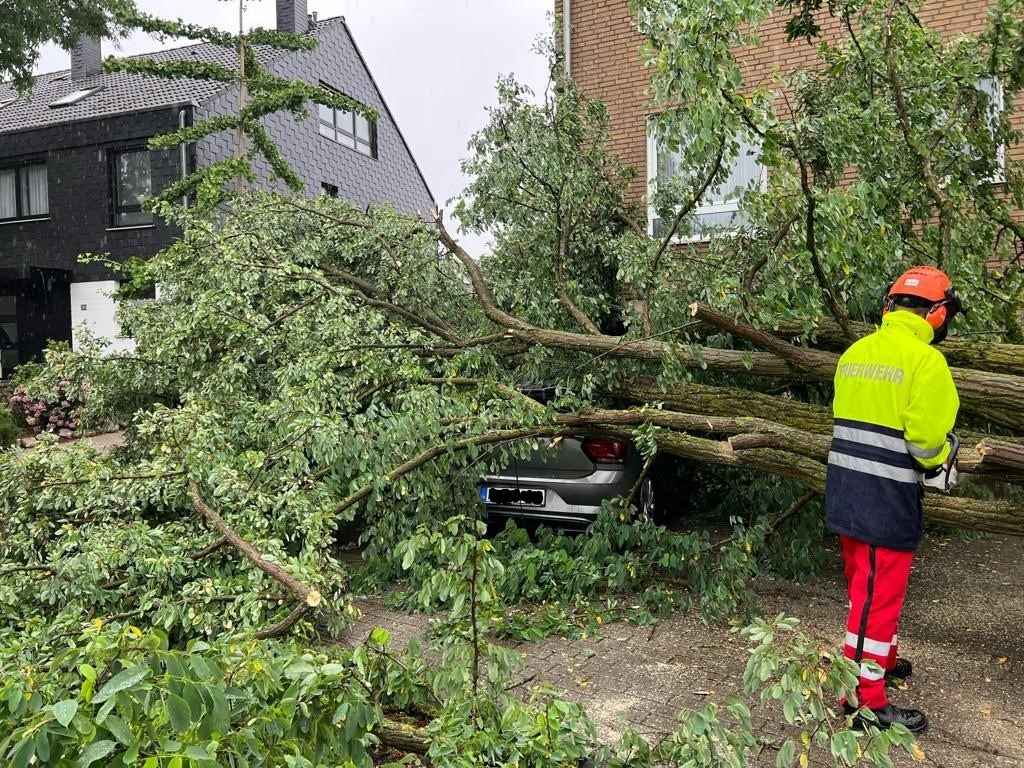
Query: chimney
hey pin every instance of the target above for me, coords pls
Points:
(86, 59)
(292, 17)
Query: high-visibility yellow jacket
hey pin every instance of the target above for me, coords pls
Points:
(895, 402)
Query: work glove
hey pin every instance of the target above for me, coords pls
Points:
(944, 477)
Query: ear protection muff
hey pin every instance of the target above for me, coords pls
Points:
(938, 315)
(942, 312)
(888, 302)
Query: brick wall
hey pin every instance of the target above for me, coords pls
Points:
(79, 187)
(605, 61)
(392, 177)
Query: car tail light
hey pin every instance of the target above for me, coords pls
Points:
(600, 450)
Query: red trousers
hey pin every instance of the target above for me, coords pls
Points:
(876, 583)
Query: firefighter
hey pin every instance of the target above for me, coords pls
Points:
(895, 406)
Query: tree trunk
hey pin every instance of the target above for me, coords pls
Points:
(772, 448)
(992, 396)
(404, 738)
(961, 352)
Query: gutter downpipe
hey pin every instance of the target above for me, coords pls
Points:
(567, 37)
(182, 147)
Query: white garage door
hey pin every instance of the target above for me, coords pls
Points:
(93, 307)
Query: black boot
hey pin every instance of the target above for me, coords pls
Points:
(914, 720)
(901, 671)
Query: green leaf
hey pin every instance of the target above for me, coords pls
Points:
(119, 730)
(64, 711)
(22, 754)
(122, 681)
(178, 713)
(380, 636)
(196, 752)
(43, 746)
(95, 751)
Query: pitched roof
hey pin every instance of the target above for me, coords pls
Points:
(122, 92)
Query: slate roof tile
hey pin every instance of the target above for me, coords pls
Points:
(122, 92)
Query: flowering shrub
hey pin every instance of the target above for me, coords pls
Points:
(46, 411)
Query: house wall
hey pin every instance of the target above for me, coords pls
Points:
(79, 187)
(392, 177)
(606, 63)
(39, 269)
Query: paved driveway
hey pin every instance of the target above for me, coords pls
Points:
(961, 627)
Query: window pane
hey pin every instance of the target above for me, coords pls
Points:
(720, 220)
(745, 171)
(34, 198)
(362, 128)
(132, 218)
(326, 114)
(347, 140)
(132, 184)
(364, 148)
(328, 131)
(992, 88)
(668, 164)
(8, 198)
(133, 178)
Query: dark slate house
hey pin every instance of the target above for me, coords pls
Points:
(74, 166)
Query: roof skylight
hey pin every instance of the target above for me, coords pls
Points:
(75, 97)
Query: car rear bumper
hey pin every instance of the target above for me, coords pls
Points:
(567, 501)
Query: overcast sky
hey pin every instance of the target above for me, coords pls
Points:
(436, 61)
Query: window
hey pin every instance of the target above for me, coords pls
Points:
(331, 190)
(348, 128)
(23, 192)
(130, 174)
(74, 97)
(720, 207)
(993, 89)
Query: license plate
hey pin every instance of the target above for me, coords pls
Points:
(521, 497)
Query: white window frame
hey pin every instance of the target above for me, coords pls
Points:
(705, 209)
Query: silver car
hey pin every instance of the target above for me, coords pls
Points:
(563, 482)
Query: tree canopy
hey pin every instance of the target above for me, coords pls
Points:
(27, 24)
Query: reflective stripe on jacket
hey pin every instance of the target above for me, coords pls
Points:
(894, 404)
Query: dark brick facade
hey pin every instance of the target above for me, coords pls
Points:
(39, 258)
(79, 184)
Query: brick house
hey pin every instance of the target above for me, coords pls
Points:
(601, 44)
(74, 166)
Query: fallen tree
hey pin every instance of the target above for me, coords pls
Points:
(311, 366)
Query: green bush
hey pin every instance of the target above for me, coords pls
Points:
(8, 428)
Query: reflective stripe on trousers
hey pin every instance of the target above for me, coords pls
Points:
(876, 583)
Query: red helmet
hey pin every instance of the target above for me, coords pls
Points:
(930, 288)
